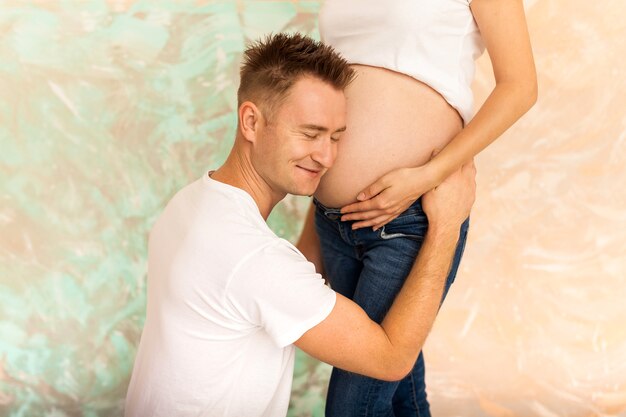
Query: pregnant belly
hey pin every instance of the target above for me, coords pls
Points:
(393, 121)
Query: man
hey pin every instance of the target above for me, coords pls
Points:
(228, 299)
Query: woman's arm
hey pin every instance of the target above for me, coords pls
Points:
(502, 24)
(503, 28)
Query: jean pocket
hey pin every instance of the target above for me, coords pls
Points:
(412, 226)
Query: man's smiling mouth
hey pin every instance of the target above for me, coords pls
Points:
(311, 171)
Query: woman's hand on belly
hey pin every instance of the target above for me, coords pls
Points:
(388, 197)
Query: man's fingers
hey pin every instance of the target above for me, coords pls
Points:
(469, 166)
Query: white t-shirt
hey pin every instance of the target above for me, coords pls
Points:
(226, 300)
(433, 41)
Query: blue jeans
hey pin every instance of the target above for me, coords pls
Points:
(370, 267)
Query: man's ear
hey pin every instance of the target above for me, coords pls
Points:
(249, 120)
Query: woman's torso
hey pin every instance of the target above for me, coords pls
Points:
(414, 63)
(393, 121)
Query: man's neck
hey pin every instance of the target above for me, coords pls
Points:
(238, 172)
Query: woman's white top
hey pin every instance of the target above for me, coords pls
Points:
(433, 41)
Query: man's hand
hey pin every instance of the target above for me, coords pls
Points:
(449, 204)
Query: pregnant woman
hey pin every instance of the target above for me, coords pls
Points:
(409, 125)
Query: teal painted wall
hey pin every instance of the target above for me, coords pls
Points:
(107, 108)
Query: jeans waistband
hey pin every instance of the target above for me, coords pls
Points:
(331, 213)
(335, 213)
(324, 208)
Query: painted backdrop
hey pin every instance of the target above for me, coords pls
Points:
(108, 107)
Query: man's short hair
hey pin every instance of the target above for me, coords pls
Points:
(272, 65)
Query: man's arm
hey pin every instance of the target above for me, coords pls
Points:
(309, 242)
(348, 339)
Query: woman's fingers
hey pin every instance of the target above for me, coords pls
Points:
(373, 190)
(377, 220)
(377, 203)
(362, 215)
(387, 220)
(360, 207)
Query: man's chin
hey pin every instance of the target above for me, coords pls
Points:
(303, 190)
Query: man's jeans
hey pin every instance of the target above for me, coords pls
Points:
(370, 267)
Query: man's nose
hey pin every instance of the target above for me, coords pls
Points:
(325, 153)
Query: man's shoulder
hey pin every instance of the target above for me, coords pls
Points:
(276, 256)
(213, 204)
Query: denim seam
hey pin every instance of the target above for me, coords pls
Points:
(413, 395)
(373, 384)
